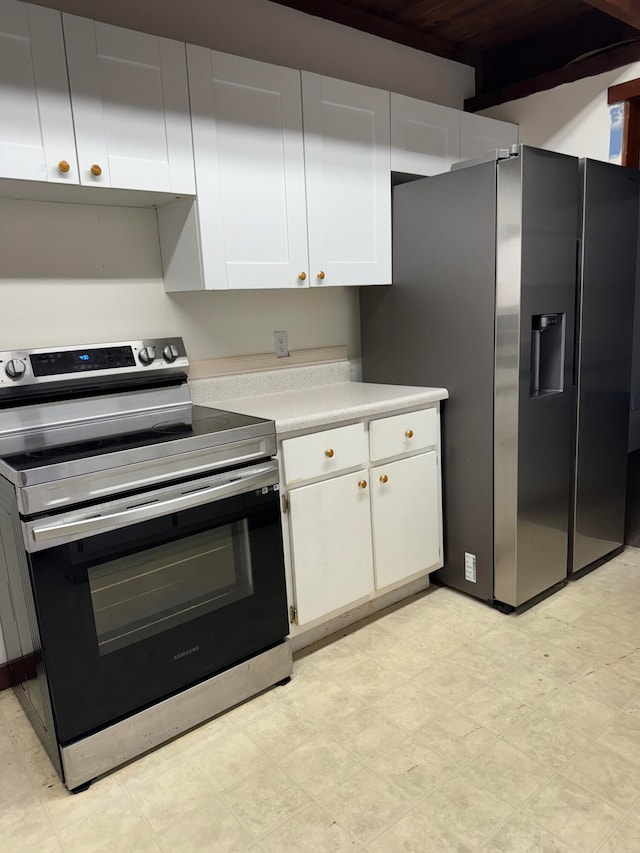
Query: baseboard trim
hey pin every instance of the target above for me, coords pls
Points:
(5, 676)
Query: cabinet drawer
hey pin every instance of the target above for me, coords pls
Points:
(323, 453)
(403, 433)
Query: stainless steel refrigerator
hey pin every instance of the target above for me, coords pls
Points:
(488, 268)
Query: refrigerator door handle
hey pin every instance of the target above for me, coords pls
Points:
(577, 315)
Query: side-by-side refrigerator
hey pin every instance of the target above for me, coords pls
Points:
(513, 287)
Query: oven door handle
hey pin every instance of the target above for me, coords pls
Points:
(233, 483)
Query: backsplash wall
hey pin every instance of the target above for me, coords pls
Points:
(85, 273)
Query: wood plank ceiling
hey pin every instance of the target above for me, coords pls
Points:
(516, 46)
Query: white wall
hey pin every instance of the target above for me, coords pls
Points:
(572, 119)
(575, 119)
(274, 33)
(72, 273)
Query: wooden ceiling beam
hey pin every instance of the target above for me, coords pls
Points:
(588, 67)
(624, 10)
(360, 20)
(623, 91)
(552, 48)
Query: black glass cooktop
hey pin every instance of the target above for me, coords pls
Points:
(203, 422)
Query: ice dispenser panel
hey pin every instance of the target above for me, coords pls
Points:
(547, 354)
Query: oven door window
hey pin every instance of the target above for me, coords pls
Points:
(135, 597)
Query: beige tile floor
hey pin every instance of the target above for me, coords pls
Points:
(442, 725)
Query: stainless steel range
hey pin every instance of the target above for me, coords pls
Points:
(141, 550)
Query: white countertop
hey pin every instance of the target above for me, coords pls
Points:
(329, 404)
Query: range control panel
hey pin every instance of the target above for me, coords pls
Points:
(23, 367)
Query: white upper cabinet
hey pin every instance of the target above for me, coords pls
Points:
(347, 161)
(247, 133)
(425, 138)
(36, 128)
(130, 104)
(481, 134)
(293, 182)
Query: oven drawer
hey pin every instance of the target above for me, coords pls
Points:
(323, 453)
(403, 433)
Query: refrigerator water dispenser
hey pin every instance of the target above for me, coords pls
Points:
(547, 354)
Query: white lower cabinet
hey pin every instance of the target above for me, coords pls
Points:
(353, 537)
(405, 509)
(330, 524)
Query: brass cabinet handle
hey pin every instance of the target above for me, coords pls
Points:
(63, 166)
(302, 276)
(362, 484)
(321, 275)
(96, 170)
(329, 453)
(409, 433)
(384, 478)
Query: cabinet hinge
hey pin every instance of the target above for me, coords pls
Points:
(293, 615)
(284, 500)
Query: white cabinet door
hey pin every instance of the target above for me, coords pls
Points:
(36, 128)
(130, 107)
(405, 502)
(247, 130)
(347, 161)
(425, 138)
(330, 525)
(480, 134)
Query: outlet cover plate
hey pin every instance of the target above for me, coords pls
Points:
(281, 344)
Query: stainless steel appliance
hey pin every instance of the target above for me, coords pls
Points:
(141, 550)
(606, 289)
(484, 303)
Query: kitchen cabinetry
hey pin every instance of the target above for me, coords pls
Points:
(86, 103)
(480, 134)
(425, 138)
(36, 127)
(364, 511)
(251, 213)
(405, 508)
(330, 526)
(347, 163)
(281, 202)
(130, 105)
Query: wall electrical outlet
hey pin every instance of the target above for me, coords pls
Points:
(281, 344)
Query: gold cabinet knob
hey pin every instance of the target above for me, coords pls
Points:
(63, 166)
(384, 478)
(302, 276)
(321, 275)
(362, 484)
(409, 433)
(96, 170)
(329, 452)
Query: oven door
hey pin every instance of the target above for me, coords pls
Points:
(142, 596)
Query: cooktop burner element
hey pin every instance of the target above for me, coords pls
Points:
(205, 423)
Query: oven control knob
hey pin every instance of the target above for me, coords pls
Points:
(147, 355)
(170, 352)
(15, 368)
